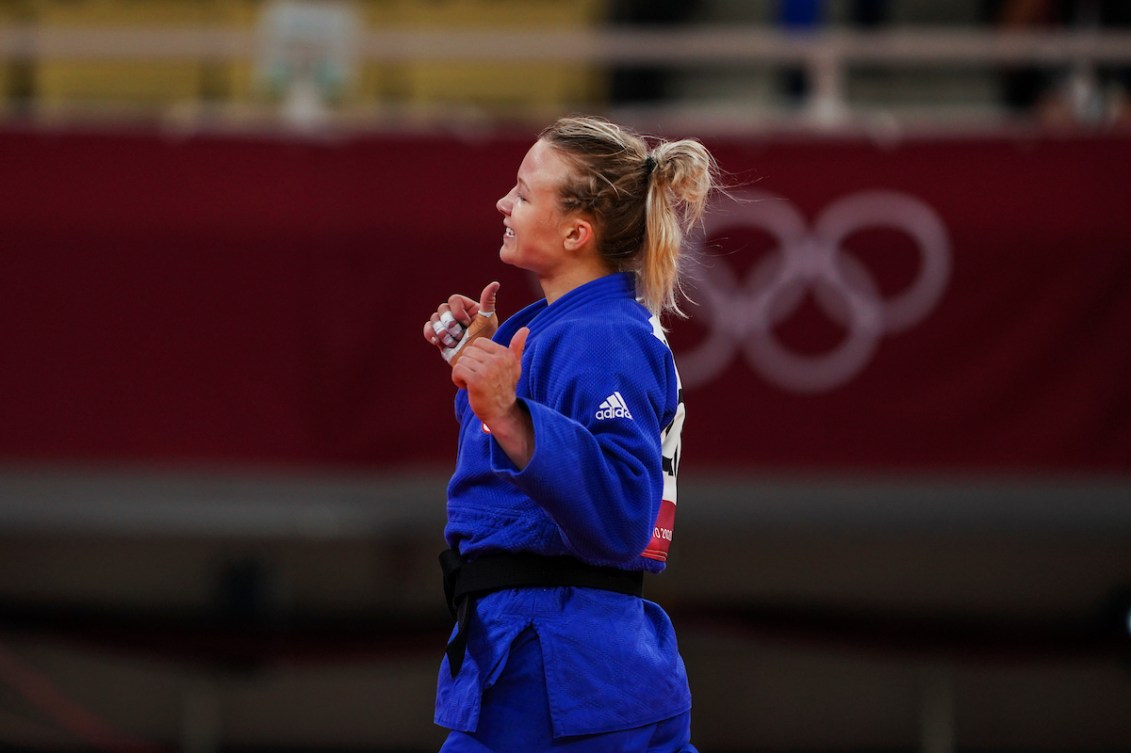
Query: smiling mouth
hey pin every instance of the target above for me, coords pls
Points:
(508, 233)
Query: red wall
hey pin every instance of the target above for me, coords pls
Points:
(251, 301)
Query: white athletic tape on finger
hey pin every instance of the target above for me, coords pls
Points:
(450, 352)
(454, 328)
(442, 333)
(478, 328)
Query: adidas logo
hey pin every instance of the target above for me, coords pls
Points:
(613, 407)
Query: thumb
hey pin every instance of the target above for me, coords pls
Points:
(488, 297)
(518, 342)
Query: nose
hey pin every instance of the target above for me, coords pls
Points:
(505, 204)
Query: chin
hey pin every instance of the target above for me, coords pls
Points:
(508, 256)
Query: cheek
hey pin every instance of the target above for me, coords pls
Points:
(539, 223)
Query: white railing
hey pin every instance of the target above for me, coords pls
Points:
(825, 55)
(623, 46)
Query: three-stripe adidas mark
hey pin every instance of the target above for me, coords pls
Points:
(613, 407)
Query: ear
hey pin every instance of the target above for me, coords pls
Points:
(578, 233)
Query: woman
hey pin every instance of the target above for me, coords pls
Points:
(563, 493)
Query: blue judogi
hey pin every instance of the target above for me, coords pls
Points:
(601, 388)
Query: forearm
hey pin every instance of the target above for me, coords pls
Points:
(598, 492)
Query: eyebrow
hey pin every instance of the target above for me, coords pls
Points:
(524, 184)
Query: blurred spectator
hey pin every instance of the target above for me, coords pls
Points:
(807, 16)
(1061, 94)
(798, 17)
(647, 84)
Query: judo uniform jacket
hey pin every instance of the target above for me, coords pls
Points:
(602, 391)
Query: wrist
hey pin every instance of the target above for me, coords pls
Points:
(513, 430)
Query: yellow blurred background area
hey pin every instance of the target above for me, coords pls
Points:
(76, 74)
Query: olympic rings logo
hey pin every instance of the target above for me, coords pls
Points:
(742, 315)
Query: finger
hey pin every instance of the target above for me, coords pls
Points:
(478, 350)
(466, 368)
(442, 311)
(443, 335)
(454, 328)
(475, 355)
(518, 342)
(460, 306)
(488, 298)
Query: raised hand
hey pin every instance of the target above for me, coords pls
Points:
(489, 371)
(461, 320)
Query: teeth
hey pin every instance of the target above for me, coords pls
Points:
(509, 233)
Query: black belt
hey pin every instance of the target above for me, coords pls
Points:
(465, 580)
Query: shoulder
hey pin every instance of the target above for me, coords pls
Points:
(621, 329)
(617, 342)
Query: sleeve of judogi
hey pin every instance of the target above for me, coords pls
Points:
(598, 395)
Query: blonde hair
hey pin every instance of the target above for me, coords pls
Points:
(642, 199)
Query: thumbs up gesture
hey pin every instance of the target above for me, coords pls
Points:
(489, 371)
(461, 320)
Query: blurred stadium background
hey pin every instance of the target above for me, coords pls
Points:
(905, 519)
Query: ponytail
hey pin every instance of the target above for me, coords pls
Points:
(682, 181)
